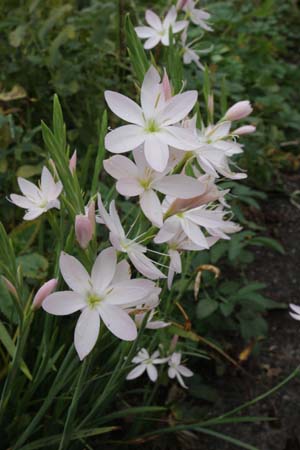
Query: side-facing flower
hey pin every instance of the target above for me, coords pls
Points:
(140, 179)
(37, 200)
(197, 16)
(43, 292)
(147, 363)
(158, 31)
(154, 125)
(119, 240)
(238, 111)
(189, 55)
(85, 226)
(151, 324)
(177, 370)
(103, 294)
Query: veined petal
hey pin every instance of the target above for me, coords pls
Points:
(180, 186)
(144, 32)
(145, 266)
(220, 131)
(152, 42)
(74, 274)
(30, 190)
(152, 372)
(119, 166)
(150, 91)
(180, 138)
(177, 108)
(156, 152)
(104, 269)
(86, 332)
(129, 187)
(151, 207)
(124, 107)
(116, 219)
(118, 321)
(129, 292)
(179, 26)
(124, 139)
(122, 273)
(63, 303)
(170, 17)
(136, 372)
(22, 202)
(193, 232)
(168, 230)
(48, 185)
(153, 20)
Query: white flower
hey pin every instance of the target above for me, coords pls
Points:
(177, 370)
(38, 200)
(197, 16)
(158, 31)
(135, 251)
(295, 313)
(151, 324)
(145, 362)
(189, 55)
(103, 294)
(154, 125)
(139, 179)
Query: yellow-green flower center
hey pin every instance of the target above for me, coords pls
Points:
(151, 126)
(93, 300)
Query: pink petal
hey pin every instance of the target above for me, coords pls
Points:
(129, 187)
(152, 42)
(44, 291)
(124, 139)
(177, 108)
(194, 233)
(48, 185)
(153, 20)
(181, 186)
(145, 266)
(124, 107)
(179, 138)
(22, 202)
(156, 152)
(144, 32)
(119, 166)
(129, 292)
(104, 269)
(118, 322)
(150, 91)
(74, 274)
(122, 273)
(63, 303)
(86, 332)
(151, 207)
(168, 230)
(29, 189)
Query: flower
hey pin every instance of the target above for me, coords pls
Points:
(140, 179)
(158, 31)
(295, 313)
(145, 362)
(238, 111)
(73, 162)
(197, 16)
(151, 324)
(38, 200)
(177, 370)
(105, 294)
(43, 292)
(246, 129)
(135, 251)
(153, 124)
(189, 55)
(85, 226)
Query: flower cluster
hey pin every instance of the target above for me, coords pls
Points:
(159, 31)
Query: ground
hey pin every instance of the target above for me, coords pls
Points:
(280, 352)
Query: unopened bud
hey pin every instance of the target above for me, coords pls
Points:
(83, 230)
(181, 4)
(246, 129)
(73, 162)
(167, 91)
(239, 111)
(43, 292)
(10, 287)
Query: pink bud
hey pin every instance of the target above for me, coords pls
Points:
(239, 110)
(181, 4)
(73, 162)
(91, 215)
(43, 292)
(10, 287)
(83, 230)
(166, 86)
(173, 342)
(246, 129)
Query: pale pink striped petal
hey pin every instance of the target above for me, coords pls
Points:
(86, 332)
(63, 303)
(118, 321)
(124, 139)
(124, 107)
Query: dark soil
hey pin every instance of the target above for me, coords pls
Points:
(280, 352)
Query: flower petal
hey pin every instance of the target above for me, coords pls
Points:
(63, 303)
(118, 321)
(185, 371)
(122, 273)
(152, 372)
(152, 42)
(145, 266)
(150, 91)
(124, 107)
(179, 138)
(30, 190)
(156, 152)
(104, 269)
(151, 207)
(144, 32)
(180, 186)
(129, 293)
(136, 372)
(194, 233)
(124, 139)
(129, 187)
(153, 20)
(33, 213)
(119, 166)
(74, 274)
(22, 202)
(86, 332)
(48, 185)
(177, 108)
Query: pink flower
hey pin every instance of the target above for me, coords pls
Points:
(154, 125)
(158, 31)
(73, 162)
(103, 295)
(238, 111)
(85, 226)
(43, 292)
(246, 129)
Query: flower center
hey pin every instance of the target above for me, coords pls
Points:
(93, 300)
(151, 126)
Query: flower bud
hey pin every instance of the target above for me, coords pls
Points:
(239, 110)
(73, 162)
(10, 287)
(83, 230)
(43, 292)
(166, 86)
(181, 4)
(91, 214)
(246, 129)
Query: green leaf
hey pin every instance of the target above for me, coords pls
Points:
(268, 242)
(206, 307)
(33, 266)
(100, 154)
(136, 50)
